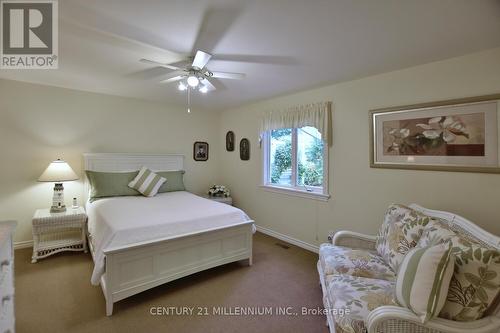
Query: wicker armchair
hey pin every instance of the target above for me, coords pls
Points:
(394, 319)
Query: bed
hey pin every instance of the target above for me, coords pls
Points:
(138, 243)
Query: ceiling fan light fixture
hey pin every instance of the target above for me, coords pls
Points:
(204, 89)
(193, 81)
(182, 86)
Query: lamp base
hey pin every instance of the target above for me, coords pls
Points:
(58, 205)
(57, 209)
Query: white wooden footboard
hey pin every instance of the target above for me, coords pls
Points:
(133, 269)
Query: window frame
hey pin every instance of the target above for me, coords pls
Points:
(312, 192)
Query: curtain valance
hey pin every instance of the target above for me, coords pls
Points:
(316, 114)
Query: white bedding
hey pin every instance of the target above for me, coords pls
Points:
(122, 221)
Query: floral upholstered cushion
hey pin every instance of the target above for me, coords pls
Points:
(474, 285)
(352, 298)
(438, 232)
(400, 232)
(476, 279)
(363, 263)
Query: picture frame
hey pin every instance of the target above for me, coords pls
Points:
(244, 149)
(460, 135)
(230, 141)
(200, 151)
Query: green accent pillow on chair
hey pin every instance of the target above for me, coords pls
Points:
(424, 278)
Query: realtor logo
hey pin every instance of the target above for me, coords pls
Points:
(29, 34)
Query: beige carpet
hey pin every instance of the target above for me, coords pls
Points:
(55, 295)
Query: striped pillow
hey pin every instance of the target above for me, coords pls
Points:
(424, 278)
(147, 182)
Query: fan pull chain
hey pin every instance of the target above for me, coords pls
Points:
(189, 99)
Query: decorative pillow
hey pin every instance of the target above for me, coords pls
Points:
(174, 181)
(474, 285)
(438, 232)
(423, 280)
(400, 232)
(147, 182)
(476, 279)
(110, 184)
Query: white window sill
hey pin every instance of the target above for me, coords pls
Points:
(295, 192)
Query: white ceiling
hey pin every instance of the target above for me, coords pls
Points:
(282, 45)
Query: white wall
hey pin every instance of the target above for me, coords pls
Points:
(360, 194)
(41, 123)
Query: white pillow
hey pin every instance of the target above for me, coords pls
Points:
(424, 278)
(147, 182)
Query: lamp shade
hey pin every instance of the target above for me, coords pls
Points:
(58, 171)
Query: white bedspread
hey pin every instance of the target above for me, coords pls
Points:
(122, 221)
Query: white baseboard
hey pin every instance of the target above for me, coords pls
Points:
(23, 245)
(288, 239)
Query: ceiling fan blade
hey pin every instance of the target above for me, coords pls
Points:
(91, 23)
(256, 59)
(201, 59)
(209, 85)
(215, 23)
(232, 76)
(149, 73)
(173, 79)
(156, 63)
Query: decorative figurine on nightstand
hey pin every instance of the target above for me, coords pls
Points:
(220, 193)
(58, 172)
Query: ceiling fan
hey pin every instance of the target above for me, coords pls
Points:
(215, 23)
(195, 75)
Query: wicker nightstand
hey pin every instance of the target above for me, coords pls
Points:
(57, 232)
(226, 200)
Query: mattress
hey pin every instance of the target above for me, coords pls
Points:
(124, 221)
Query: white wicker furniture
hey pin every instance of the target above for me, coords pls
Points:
(394, 319)
(6, 277)
(57, 232)
(226, 200)
(138, 267)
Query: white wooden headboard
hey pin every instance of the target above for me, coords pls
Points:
(120, 162)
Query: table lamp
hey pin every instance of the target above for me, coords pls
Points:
(58, 172)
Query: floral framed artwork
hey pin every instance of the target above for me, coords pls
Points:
(454, 135)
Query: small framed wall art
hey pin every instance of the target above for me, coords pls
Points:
(244, 149)
(200, 151)
(453, 135)
(230, 141)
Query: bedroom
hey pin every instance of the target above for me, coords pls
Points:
(304, 96)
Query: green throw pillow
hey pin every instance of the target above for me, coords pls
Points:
(424, 278)
(110, 184)
(174, 181)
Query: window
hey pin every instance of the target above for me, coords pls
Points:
(295, 160)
